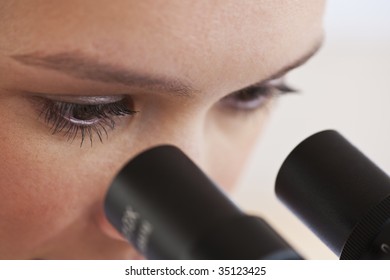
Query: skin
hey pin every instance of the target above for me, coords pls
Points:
(51, 189)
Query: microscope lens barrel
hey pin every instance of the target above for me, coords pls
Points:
(339, 193)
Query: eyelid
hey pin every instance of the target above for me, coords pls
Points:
(85, 100)
(272, 82)
(278, 83)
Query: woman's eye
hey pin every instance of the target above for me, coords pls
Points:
(255, 97)
(84, 120)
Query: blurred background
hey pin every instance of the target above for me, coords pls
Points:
(345, 87)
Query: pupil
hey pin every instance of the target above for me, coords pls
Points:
(252, 93)
(84, 114)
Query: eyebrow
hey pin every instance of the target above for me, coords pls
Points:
(81, 66)
(297, 63)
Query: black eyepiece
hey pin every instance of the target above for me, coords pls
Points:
(340, 194)
(169, 209)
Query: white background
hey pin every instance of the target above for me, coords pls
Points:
(345, 87)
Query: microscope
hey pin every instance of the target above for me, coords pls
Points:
(168, 208)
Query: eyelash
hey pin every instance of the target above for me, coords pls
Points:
(84, 119)
(254, 97)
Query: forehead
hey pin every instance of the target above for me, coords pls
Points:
(210, 43)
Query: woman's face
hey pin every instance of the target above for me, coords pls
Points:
(87, 85)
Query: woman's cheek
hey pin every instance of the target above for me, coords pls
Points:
(43, 191)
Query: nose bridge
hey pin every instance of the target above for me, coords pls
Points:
(185, 131)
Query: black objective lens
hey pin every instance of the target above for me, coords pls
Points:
(340, 194)
(169, 209)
